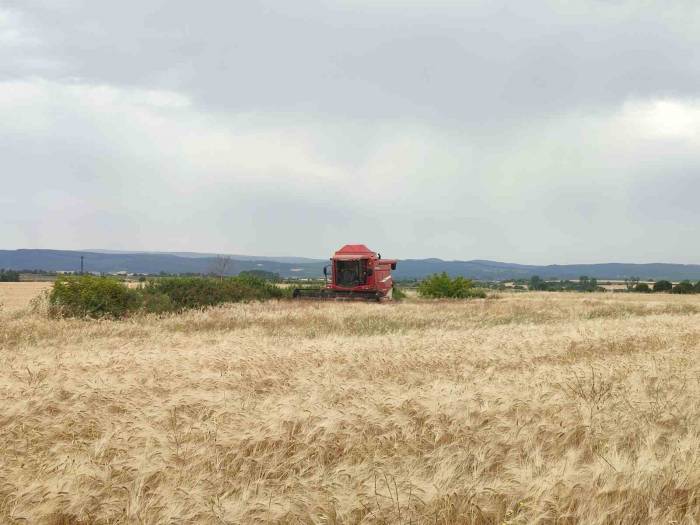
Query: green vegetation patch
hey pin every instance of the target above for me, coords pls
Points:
(90, 296)
(397, 294)
(440, 285)
(180, 293)
(9, 276)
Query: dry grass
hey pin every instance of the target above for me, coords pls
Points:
(532, 408)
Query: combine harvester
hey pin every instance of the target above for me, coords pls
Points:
(356, 273)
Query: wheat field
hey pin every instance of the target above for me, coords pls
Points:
(17, 296)
(526, 408)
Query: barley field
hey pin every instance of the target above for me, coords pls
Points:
(526, 408)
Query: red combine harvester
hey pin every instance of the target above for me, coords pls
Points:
(356, 272)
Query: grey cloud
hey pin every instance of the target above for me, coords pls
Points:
(493, 60)
(508, 130)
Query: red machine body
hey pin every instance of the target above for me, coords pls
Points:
(355, 272)
(356, 268)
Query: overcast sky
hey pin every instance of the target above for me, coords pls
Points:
(532, 132)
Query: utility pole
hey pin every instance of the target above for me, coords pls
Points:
(82, 264)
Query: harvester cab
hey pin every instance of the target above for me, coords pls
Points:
(355, 272)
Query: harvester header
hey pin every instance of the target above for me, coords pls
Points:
(355, 272)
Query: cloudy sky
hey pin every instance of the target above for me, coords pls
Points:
(532, 132)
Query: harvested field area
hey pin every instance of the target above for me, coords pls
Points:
(529, 408)
(17, 296)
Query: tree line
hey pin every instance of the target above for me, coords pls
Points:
(584, 284)
(9, 276)
(683, 287)
(632, 284)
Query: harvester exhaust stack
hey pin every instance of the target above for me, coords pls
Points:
(355, 273)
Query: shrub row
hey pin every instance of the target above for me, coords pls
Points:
(440, 285)
(90, 296)
(197, 292)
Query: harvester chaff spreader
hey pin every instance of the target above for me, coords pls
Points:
(355, 273)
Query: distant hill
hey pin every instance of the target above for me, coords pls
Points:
(496, 271)
(188, 262)
(197, 255)
(64, 260)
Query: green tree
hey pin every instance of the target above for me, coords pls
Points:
(536, 283)
(9, 276)
(587, 284)
(663, 286)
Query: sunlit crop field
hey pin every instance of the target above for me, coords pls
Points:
(532, 407)
(17, 296)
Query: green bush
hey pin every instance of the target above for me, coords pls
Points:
(89, 296)
(662, 286)
(440, 285)
(156, 302)
(397, 294)
(198, 292)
